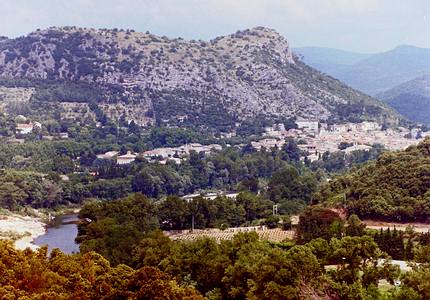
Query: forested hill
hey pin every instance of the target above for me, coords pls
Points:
(395, 187)
(246, 75)
(411, 99)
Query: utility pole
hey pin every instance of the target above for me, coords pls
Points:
(192, 223)
(275, 209)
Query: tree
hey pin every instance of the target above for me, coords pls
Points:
(35, 275)
(173, 213)
(318, 222)
(153, 249)
(287, 183)
(291, 150)
(272, 221)
(116, 227)
(255, 206)
(354, 226)
(11, 196)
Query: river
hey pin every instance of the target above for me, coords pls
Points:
(61, 234)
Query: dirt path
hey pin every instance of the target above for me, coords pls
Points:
(418, 227)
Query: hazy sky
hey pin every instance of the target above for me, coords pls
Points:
(359, 25)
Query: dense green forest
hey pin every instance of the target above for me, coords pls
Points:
(395, 187)
(126, 231)
(242, 268)
(37, 275)
(331, 258)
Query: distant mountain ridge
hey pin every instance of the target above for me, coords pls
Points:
(411, 99)
(249, 74)
(329, 60)
(370, 73)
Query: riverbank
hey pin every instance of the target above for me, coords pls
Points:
(25, 227)
(23, 230)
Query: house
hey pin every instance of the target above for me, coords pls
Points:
(24, 128)
(313, 157)
(162, 152)
(108, 155)
(307, 125)
(126, 158)
(267, 144)
(206, 149)
(169, 153)
(48, 137)
(340, 127)
(64, 177)
(177, 161)
(370, 126)
(63, 135)
(211, 196)
(357, 148)
(311, 148)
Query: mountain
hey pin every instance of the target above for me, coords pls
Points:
(411, 99)
(329, 60)
(370, 73)
(247, 75)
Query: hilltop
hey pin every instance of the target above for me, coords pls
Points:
(150, 79)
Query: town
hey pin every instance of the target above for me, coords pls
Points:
(314, 138)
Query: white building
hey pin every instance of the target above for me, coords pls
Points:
(181, 151)
(311, 148)
(341, 127)
(162, 153)
(307, 125)
(126, 158)
(63, 135)
(108, 155)
(206, 149)
(370, 126)
(267, 144)
(24, 128)
(357, 148)
(211, 196)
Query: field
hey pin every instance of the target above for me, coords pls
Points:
(274, 235)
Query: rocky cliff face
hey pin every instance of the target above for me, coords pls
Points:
(229, 79)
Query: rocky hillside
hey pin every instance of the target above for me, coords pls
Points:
(411, 99)
(249, 74)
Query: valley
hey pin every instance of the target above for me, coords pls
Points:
(138, 165)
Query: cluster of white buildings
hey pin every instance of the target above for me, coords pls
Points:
(178, 153)
(268, 143)
(124, 159)
(161, 155)
(211, 196)
(316, 138)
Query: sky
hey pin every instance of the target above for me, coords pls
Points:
(356, 25)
